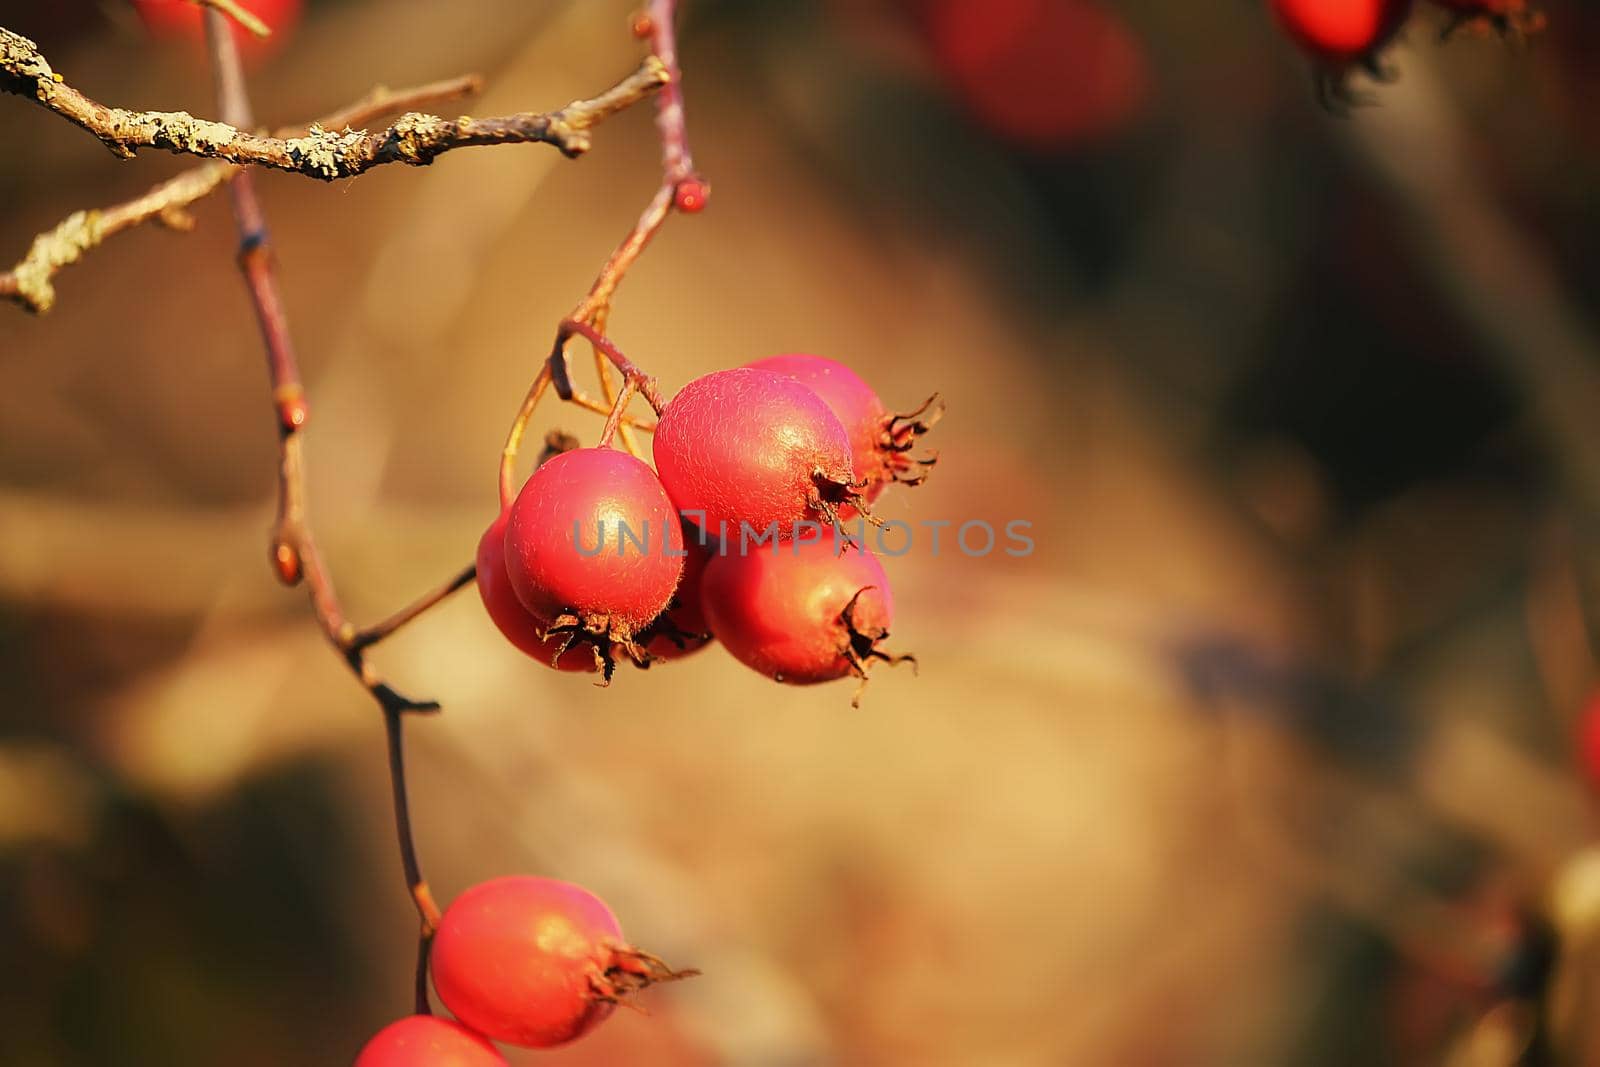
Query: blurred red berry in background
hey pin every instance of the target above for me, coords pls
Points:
(1044, 74)
(1589, 741)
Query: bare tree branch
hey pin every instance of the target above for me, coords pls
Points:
(415, 138)
(29, 282)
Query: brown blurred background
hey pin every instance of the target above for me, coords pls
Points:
(1263, 757)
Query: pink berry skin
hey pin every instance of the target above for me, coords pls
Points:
(857, 407)
(781, 612)
(754, 447)
(520, 626)
(518, 958)
(428, 1041)
(557, 560)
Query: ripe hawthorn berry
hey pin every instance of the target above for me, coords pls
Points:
(520, 626)
(593, 544)
(536, 962)
(880, 442)
(754, 447)
(1339, 33)
(428, 1041)
(804, 612)
(1043, 74)
(183, 20)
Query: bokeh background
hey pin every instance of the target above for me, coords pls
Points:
(1264, 756)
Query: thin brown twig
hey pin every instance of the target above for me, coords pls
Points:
(589, 403)
(415, 138)
(519, 426)
(614, 420)
(29, 283)
(677, 163)
(294, 549)
(370, 636)
(631, 374)
(608, 389)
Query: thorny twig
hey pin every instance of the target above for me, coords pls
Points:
(29, 283)
(329, 154)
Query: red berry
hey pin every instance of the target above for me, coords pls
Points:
(182, 19)
(1338, 33)
(1046, 74)
(535, 962)
(879, 441)
(809, 611)
(592, 542)
(691, 195)
(682, 628)
(750, 446)
(522, 628)
(1589, 742)
(427, 1041)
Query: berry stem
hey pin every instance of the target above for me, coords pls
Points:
(421, 895)
(608, 389)
(614, 420)
(632, 375)
(519, 426)
(588, 318)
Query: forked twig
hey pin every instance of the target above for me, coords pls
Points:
(30, 282)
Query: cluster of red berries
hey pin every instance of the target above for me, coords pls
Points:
(735, 535)
(527, 961)
(1340, 35)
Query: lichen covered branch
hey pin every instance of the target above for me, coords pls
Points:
(330, 154)
(29, 283)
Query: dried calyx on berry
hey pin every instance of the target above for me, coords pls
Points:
(880, 441)
(810, 612)
(750, 448)
(536, 962)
